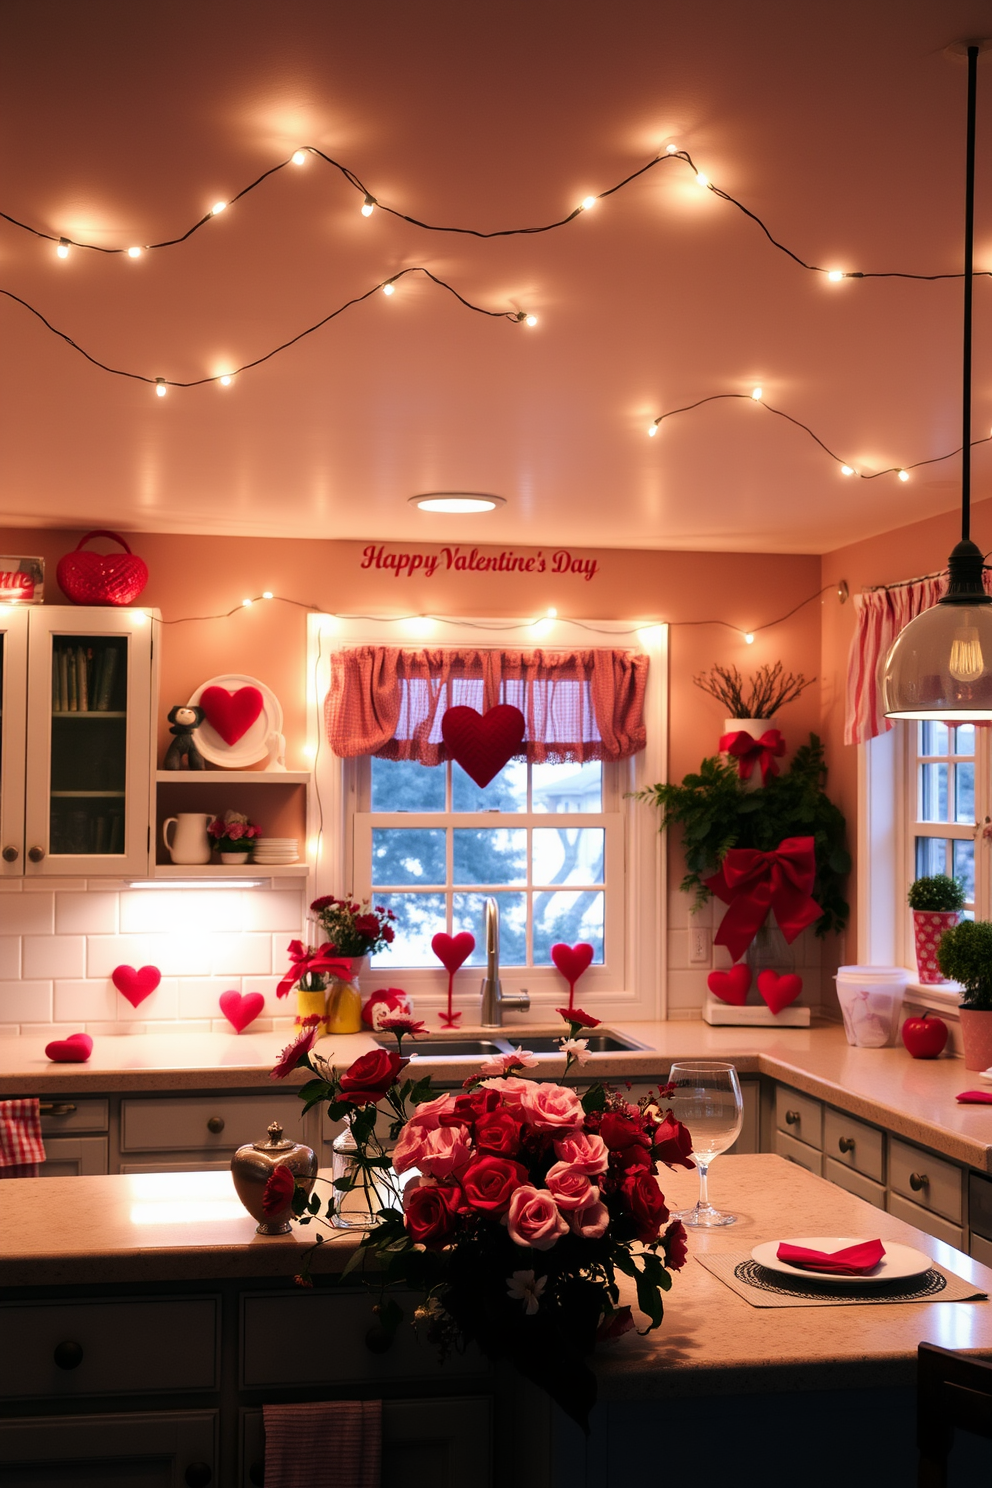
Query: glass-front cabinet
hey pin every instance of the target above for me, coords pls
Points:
(13, 705)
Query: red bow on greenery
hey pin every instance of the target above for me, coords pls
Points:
(748, 752)
(305, 961)
(753, 882)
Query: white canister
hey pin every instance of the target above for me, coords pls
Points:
(870, 1000)
(756, 727)
(189, 842)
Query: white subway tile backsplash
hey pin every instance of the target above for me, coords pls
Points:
(687, 989)
(243, 955)
(162, 1003)
(86, 914)
(28, 914)
(169, 911)
(265, 910)
(25, 1002)
(54, 956)
(83, 1001)
(10, 957)
(198, 996)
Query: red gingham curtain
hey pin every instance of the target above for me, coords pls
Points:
(579, 705)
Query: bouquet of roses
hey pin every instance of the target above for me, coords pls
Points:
(354, 929)
(233, 832)
(511, 1207)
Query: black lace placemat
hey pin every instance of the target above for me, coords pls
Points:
(762, 1287)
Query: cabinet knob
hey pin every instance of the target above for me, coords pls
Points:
(846, 1144)
(198, 1475)
(792, 1118)
(918, 1181)
(68, 1355)
(36, 854)
(215, 1124)
(10, 855)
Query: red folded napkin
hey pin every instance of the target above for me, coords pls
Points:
(854, 1260)
(975, 1098)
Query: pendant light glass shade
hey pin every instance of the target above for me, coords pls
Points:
(940, 666)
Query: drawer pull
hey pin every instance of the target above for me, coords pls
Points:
(36, 854)
(68, 1355)
(10, 855)
(918, 1181)
(198, 1475)
(793, 1118)
(56, 1108)
(215, 1124)
(846, 1144)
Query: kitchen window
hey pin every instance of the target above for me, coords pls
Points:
(948, 780)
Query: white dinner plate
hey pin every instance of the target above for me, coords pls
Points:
(899, 1262)
(254, 743)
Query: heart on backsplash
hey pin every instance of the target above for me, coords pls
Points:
(453, 950)
(231, 714)
(779, 991)
(135, 985)
(75, 1049)
(482, 743)
(731, 986)
(241, 1009)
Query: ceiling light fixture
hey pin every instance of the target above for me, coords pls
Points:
(457, 501)
(940, 665)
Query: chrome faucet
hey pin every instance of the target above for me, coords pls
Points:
(493, 1001)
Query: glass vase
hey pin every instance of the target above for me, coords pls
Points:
(311, 1002)
(344, 1001)
(770, 951)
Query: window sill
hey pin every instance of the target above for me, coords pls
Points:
(940, 997)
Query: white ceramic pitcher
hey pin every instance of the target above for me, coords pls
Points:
(190, 843)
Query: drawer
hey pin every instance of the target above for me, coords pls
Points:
(73, 1115)
(981, 1249)
(854, 1182)
(942, 1181)
(799, 1115)
(855, 1144)
(273, 1326)
(980, 1204)
(923, 1219)
(121, 1347)
(206, 1122)
(108, 1450)
(798, 1152)
(74, 1157)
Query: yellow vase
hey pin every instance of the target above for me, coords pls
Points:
(311, 1004)
(344, 1007)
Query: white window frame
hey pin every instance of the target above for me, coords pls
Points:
(637, 935)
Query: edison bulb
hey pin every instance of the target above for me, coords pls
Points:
(368, 207)
(530, 320)
(63, 248)
(967, 662)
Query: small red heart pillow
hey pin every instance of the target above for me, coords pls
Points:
(572, 961)
(453, 950)
(779, 991)
(136, 985)
(241, 1010)
(482, 742)
(231, 714)
(75, 1049)
(731, 986)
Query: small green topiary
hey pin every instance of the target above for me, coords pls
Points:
(938, 893)
(965, 955)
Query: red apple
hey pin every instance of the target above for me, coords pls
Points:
(924, 1037)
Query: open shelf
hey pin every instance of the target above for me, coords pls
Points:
(230, 870)
(236, 777)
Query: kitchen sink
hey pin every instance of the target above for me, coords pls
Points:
(598, 1043)
(445, 1048)
(465, 1048)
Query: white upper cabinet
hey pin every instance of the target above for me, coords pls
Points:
(13, 718)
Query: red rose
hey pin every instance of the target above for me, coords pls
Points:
(367, 1080)
(645, 1203)
(620, 1132)
(489, 1182)
(388, 934)
(676, 1249)
(468, 1108)
(278, 1193)
(498, 1132)
(673, 1143)
(429, 1212)
(576, 1015)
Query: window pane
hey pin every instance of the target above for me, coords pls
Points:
(496, 855)
(933, 738)
(964, 867)
(469, 914)
(567, 787)
(933, 793)
(568, 855)
(931, 856)
(964, 791)
(403, 785)
(508, 792)
(964, 739)
(418, 919)
(408, 855)
(567, 917)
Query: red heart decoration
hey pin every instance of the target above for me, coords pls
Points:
(135, 985)
(453, 950)
(102, 578)
(240, 1011)
(779, 991)
(75, 1049)
(231, 714)
(483, 742)
(572, 961)
(731, 986)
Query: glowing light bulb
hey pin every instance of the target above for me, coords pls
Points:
(835, 276)
(299, 156)
(530, 320)
(552, 613)
(134, 253)
(139, 617)
(756, 394)
(702, 180)
(671, 149)
(652, 431)
(217, 208)
(967, 662)
(904, 475)
(225, 381)
(160, 387)
(389, 289)
(267, 594)
(247, 603)
(63, 248)
(847, 470)
(588, 202)
(368, 206)
(748, 638)
(310, 750)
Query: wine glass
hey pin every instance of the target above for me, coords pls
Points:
(707, 1098)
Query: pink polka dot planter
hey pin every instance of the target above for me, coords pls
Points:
(928, 926)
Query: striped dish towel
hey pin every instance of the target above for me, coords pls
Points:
(21, 1145)
(329, 1444)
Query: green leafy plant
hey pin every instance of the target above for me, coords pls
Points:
(965, 955)
(716, 812)
(937, 894)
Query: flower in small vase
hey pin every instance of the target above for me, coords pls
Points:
(233, 833)
(354, 929)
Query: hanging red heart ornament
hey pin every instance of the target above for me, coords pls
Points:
(231, 714)
(241, 1009)
(482, 743)
(779, 991)
(731, 986)
(135, 985)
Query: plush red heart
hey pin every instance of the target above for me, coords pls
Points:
(135, 985)
(572, 961)
(241, 1010)
(731, 986)
(75, 1049)
(231, 714)
(483, 742)
(453, 950)
(779, 991)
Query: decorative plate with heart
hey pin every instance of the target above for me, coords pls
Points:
(242, 715)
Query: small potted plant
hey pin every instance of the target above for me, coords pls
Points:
(233, 835)
(936, 903)
(965, 955)
(354, 931)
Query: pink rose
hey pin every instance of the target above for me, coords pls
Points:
(551, 1107)
(570, 1187)
(501, 1064)
(592, 1222)
(512, 1089)
(428, 1115)
(585, 1150)
(438, 1153)
(234, 831)
(533, 1220)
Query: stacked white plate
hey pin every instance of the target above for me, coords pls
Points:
(276, 850)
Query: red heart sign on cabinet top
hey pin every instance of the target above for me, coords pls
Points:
(231, 714)
(483, 742)
(135, 985)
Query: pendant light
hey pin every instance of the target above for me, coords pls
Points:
(940, 665)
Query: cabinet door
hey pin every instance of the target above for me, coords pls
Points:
(13, 721)
(74, 1157)
(89, 765)
(167, 1449)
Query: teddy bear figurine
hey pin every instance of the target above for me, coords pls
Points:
(184, 717)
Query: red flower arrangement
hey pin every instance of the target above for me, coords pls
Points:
(511, 1207)
(354, 929)
(233, 832)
